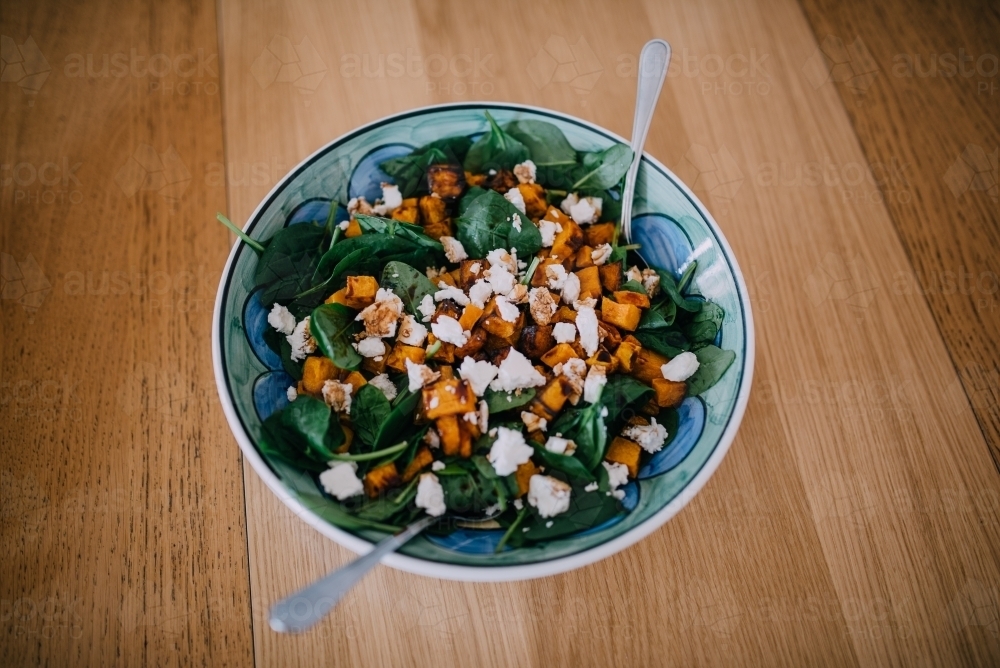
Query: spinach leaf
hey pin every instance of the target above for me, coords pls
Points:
(497, 402)
(310, 426)
(603, 170)
(705, 324)
(409, 285)
(556, 178)
(494, 150)
(278, 342)
(670, 288)
(398, 419)
(545, 142)
(369, 410)
(622, 395)
(660, 315)
(568, 464)
(377, 250)
(586, 510)
(633, 286)
(395, 228)
(286, 266)
(395, 503)
(468, 197)
(714, 362)
(667, 342)
(585, 427)
(488, 224)
(409, 172)
(279, 443)
(331, 325)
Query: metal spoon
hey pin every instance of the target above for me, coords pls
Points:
(653, 62)
(300, 611)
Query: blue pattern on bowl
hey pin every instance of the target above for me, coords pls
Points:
(270, 392)
(690, 421)
(255, 324)
(367, 177)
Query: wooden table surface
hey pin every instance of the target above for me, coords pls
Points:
(849, 152)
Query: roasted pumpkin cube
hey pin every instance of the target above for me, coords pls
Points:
(523, 476)
(603, 359)
(536, 340)
(407, 212)
(590, 282)
(447, 371)
(421, 460)
(567, 242)
(625, 316)
(551, 399)
(625, 353)
(602, 233)
(447, 278)
(646, 365)
(434, 217)
(611, 276)
(502, 181)
(584, 258)
(381, 479)
(471, 271)
(361, 291)
(533, 194)
(559, 354)
(669, 394)
(564, 314)
(444, 353)
(448, 397)
(610, 337)
(470, 316)
(555, 215)
(633, 298)
(624, 451)
(446, 307)
(356, 381)
(507, 331)
(353, 229)
(465, 431)
(446, 181)
(402, 352)
(539, 279)
(650, 408)
(317, 370)
(338, 297)
(474, 179)
(451, 435)
(477, 339)
(375, 368)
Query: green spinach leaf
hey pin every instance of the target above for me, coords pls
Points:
(488, 224)
(409, 172)
(545, 142)
(331, 326)
(369, 410)
(286, 266)
(669, 286)
(494, 150)
(667, 342)
(604, 169)
(310, 424)
(704, 325)
(568, 464)
(398, 419)
(714, 362)
(497, 402)
(410, 285)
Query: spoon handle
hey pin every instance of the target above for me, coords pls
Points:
(304, 608)
(653, 63)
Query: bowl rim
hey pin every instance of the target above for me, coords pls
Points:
(484, 573)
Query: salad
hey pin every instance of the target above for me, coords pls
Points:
(477, 343)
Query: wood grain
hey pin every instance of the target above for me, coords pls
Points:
(123, 527)
(849, 525)
(930, 116)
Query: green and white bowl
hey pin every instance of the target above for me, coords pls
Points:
(673, 228)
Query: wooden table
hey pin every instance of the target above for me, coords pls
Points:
(848, 151)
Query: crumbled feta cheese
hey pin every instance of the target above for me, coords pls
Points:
(596, 379)
(359, 205)
(383, 383)
(516, 222)
(514, 197)
(438, 465)
(681, 367)
(432, 439)
(450, 330)
(419, 375)
(411, 332)
(492, 172)
(633, 274)
(341, 480)
(509, 451)
(525, 172)
(549, 495)
(301, 341)
(542, 305)
(592, 487)
(281, 319)
(337, 396)
(371, 346)
(555, 276)
(500, 256)
(586, 323)
(427, 307)
(434, 272)
(508, 311)
(519, 504)
(500, 278)
(453, 249)
(381, 316)
(601, 254)
(343, 225)
(571, 289)
(568, 202)
(589, 302)
(617, 476)
(292, 393)
(516, 372)
(484, 415)
(519, 294)
(391, 200)
(582, 210)
(479, 375)
(651, 437)
(549, 230)
(651, 282)
(573, 370)
(430, 495)
(475, 268)
(533, 422)
(452, 293)
(480, 292)
(564, 332)
(560, 446)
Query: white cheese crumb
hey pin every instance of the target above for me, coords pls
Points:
(480, 292)
(479, 375)
(519, 504)
(519, 294)
(592, 487)
(381, 316)
(586, 323)
(383, 383)
(651, 282)
(500, 278)
(475, 268)
(525, 172)
(427, 307)
(650, 437)
(438, 465)
(453, 249)
(432, 439)
(617, 476)
(343, 225)
(371, 347)
(507, 311)
(514, 197)
(681, 367)
(449, 330)
(500, 256)
(359, 205)
(292, 393)
(281, 319)
(564, 332)
(430, 495)
(573, 370)
(549, 495)
(542, 305)
(549, 230)
(589, 302)
(391, 200)
(533, 422)
(560, 446)
(484, 415)
(596, 379)
(411, 332)
(601, 254)
(516, 222)
(337, 396)
(571, 289)
(419, 375)
(555, 275)
(509, 451)
(452, 293)
(301, 341)
(633, 274)
(341, 480)
(516, 372)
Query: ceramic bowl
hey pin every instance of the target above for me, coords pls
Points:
(673, 228)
